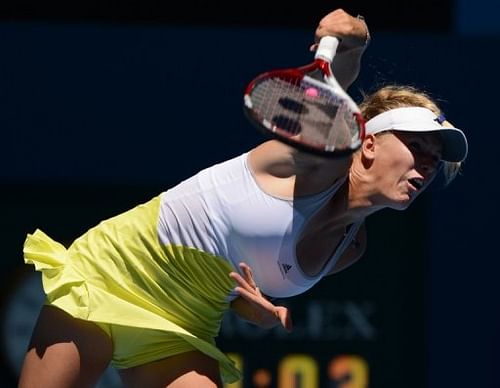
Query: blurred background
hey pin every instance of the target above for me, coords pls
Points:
(105, 104)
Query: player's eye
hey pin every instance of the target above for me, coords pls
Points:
(414, 146)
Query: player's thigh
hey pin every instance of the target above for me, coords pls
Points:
(185, 370)
(65, 352)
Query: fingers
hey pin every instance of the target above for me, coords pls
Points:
(248, 274)
(342, 25)
(245, 289)
(246, 281)
(313, 47)
(285, 318)
(266, 314)
(241, 282)
(251, 296)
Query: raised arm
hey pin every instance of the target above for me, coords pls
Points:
(286, 172)
(354, 38)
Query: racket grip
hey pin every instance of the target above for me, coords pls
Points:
(327, 48)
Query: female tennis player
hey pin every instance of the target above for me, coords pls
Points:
(146, 290)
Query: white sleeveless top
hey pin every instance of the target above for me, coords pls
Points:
(223, 211)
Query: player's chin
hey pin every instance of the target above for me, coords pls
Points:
(403, 202)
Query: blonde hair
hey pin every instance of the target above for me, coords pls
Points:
(398, 96)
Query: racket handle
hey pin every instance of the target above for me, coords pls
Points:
(327, 48)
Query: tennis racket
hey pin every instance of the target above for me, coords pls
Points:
(306, 107)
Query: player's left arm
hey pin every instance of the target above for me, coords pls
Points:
(253, 306)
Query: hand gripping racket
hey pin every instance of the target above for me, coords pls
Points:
(306, 107)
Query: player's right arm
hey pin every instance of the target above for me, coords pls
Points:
(354, 38)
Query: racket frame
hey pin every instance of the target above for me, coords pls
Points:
(322, 63)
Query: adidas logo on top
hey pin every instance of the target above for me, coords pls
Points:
(284, 268)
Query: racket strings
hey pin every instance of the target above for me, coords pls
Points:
(299, 108)
(282, 109)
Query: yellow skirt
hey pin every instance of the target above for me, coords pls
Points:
(121, 277)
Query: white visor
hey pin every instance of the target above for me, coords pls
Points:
(417, 119)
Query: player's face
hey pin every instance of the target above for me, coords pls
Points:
(404, 164)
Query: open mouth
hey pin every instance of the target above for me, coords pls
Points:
(417, 183)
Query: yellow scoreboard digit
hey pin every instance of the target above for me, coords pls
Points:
(298, 371)
(348, 371)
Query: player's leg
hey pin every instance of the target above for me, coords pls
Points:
(65, 352)
(185, 370)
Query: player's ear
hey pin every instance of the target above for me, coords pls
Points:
(368, 147)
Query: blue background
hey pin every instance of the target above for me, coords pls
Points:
(139, 108)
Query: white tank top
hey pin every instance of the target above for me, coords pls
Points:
(223, 211)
